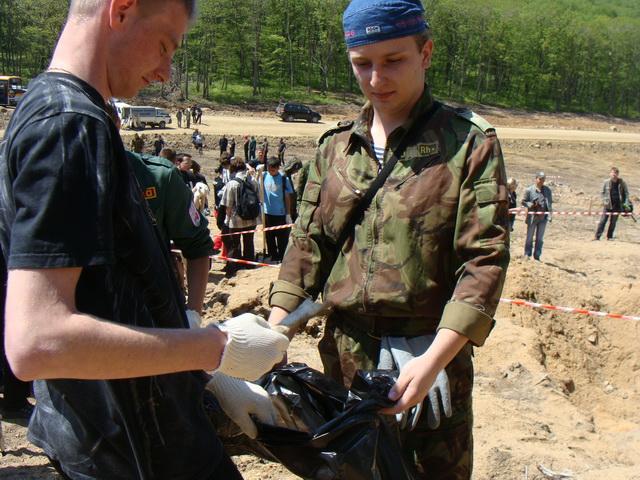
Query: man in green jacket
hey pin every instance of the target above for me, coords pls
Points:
(428, 258)
(178, 220)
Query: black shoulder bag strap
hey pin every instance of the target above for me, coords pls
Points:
(358, 212)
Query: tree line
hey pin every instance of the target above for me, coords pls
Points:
(557, 55)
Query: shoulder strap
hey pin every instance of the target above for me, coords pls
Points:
(358, 212)
(474, 118)
(340, 127)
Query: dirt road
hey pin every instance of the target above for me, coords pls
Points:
(261, 125)
(273, 127)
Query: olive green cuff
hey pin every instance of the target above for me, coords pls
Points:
(286, 295)
(468, 321)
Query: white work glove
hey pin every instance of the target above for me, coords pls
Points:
(252, 347)
(288, 220)
(194, 319)
(240, 399)
(397, 352)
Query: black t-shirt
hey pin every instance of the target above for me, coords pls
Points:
(198, 177)
(69, 199)
(615, 196)
(188, 178)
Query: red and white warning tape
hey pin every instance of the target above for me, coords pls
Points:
(517, 211)
(220, 258)
(509, 301)
(267, 229)
(580, 311)
(523, 211)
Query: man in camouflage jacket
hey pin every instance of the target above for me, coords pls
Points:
(430, 253)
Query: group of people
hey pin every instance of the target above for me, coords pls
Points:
(403, 227)
(250, 194)
(188, 116)
(254, 152)
(538, 204)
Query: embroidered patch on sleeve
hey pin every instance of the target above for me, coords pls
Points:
(194, 214)
(150, 193)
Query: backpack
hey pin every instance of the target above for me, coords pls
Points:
(248, 207)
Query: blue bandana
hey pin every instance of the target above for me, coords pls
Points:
(371, 21)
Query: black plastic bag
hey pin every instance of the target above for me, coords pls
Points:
(338, 433)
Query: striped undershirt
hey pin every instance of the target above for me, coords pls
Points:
(379, 152)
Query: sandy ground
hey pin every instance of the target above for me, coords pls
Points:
(271, 126)
(552, 389)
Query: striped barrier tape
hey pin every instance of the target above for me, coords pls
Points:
(580, 311)
(517, 211)
(509, 301)
(220, 258)
(267, 229)
(523, 211)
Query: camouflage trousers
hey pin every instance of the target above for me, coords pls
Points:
(442, 454)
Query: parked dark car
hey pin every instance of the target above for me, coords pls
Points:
(296, 111)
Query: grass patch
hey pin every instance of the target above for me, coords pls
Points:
(269, 96)
(238, 94)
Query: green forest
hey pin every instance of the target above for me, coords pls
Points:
(552, 55)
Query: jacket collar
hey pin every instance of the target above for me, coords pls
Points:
(361, 131)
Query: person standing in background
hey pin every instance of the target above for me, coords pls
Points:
(158, 145)
(512, 184)
(538, 200)
(245, 146)
(252, 149)
(223, 143)
(615, 200)
(281, 148)
(276, 192)
(237, 247)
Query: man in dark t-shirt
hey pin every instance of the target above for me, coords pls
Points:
(615, 200)
(93, 311)
(184, 163)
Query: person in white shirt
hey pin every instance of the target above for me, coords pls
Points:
(231, 197)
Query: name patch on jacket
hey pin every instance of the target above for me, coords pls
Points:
(150, 193)
(428, 149)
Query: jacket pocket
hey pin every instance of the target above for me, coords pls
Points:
(486, 191)
(339, 198)
(308, 205)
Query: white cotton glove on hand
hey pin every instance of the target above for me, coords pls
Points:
(194, 319)
(288, 220)
(252, 347)
(240, 400)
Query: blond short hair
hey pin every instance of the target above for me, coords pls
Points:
(85, 8)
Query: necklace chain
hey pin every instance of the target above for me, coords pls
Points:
(60, 70)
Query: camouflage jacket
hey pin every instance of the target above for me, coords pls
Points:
(433, 245)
